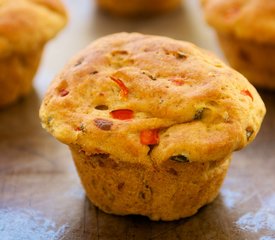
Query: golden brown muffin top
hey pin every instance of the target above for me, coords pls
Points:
(247, 19)
(28, 24)
(149, 99)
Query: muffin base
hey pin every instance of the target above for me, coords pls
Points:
(168, 192)
(137, 8)
(17, 72)
(254, 60)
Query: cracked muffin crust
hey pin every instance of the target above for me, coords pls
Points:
(246, 30)
(138, 8)
(136, 108)
(25, 27)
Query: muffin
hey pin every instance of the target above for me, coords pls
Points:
(151, 123)
(25, 27)
(246, 30)
(136, 8)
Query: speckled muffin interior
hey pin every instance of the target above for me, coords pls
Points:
(153, 107)
(246, 30)
(25, 27)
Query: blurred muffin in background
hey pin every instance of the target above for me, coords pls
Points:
(246, 30)
(25, 27)
(137, 8)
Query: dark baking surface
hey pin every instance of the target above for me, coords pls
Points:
(40, 193)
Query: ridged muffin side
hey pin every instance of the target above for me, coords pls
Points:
(167, 192)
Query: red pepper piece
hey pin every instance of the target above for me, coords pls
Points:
(63, 92)
(177, 81)
(122, 114)
(247, 93)
(123, 89)
(149, 137)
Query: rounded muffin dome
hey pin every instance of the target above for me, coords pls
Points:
(195, 104)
